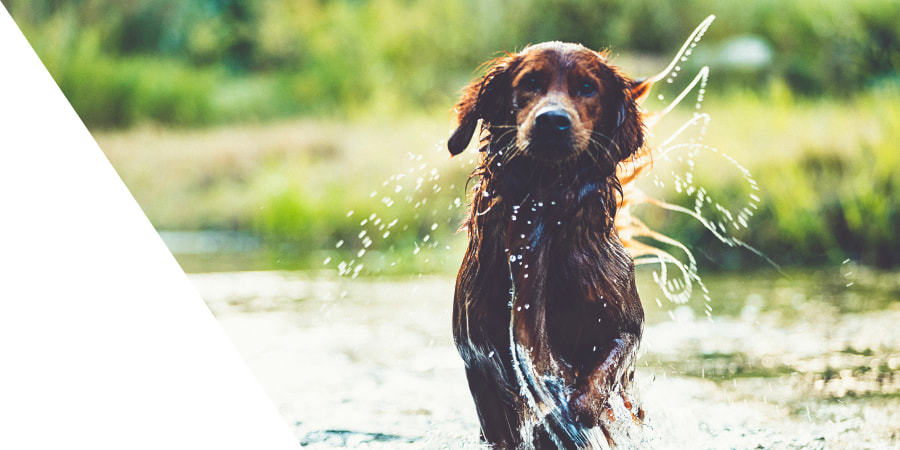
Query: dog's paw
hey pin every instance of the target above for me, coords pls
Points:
(586, 408)
(633, 409)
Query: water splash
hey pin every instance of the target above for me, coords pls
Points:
(422, 182)
(718, 218)
(415, 215)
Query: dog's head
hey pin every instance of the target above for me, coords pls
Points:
(553, 102)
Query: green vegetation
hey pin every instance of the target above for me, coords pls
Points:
(304, 186)
(827, 172)
(324, 103)
(825, 197)
(219, 61)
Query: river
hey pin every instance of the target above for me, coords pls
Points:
(780, 361)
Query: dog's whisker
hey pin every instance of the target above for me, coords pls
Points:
(533, 176)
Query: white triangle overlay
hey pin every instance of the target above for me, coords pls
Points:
(104, 343)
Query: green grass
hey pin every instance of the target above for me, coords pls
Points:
(827, 172)
(213, 62)
(303, 186)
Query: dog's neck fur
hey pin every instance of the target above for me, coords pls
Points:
(572, 184)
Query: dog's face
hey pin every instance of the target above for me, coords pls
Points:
(563, 100)
(558, 96)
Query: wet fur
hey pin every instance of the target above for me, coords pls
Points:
(546, 314)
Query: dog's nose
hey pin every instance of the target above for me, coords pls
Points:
(553, 120)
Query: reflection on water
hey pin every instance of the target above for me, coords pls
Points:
(783, 361)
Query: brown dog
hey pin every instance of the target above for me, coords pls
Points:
(546, 315)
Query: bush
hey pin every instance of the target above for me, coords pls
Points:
(389, 56)
(828, 174)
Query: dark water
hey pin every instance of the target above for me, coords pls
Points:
(800, 360)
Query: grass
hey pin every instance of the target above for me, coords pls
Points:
(214, 62)
(302, 185)
(828, 175)
(827, 172)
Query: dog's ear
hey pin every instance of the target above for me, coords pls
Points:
(487, 98)
(640, 89)
(628, 136)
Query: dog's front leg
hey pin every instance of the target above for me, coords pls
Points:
(610, 377)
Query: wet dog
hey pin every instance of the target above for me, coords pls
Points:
(546, 314)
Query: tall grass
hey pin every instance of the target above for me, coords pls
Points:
(828, 173)
(211, 61)
(816, 125)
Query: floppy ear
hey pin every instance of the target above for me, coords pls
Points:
(628, 136)
(487, 98)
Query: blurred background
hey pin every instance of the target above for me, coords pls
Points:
(264, 123)
(276, 144)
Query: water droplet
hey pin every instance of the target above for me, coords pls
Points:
(339, 244)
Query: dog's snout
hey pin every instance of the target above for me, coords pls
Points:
(553, 120)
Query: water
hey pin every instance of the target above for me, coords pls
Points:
(765, 362)
(798, 361)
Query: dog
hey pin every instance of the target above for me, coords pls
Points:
(546, 314)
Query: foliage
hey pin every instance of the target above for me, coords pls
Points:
(827, 173)
(825, 196)
(816, 125)
(343, 57)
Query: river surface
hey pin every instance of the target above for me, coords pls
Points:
(771, 361)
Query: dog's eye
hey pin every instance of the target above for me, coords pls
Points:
(531, 83)
(587, 89)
